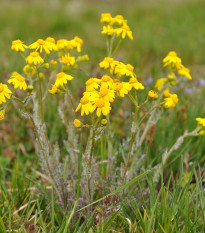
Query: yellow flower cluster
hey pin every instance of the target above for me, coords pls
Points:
(101, 92)
(115, 26)
(175, 64)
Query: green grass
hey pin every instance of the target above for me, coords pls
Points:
(174, 203)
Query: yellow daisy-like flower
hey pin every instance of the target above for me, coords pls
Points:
(53, 90)
(102, 106)
(40, 45)
(34, 58)
(201, 124)
(92, 84)
(18, 45)
(119, 19)
(2, 114)
(62, 44)
(106, 18)
(18, 81)
(78, 43)
(108, 30)
(184, 72)
(4, 92)
(86, 105)
(29, 70)
(61, 79)
(68, 60)
(172, 60)
(124, 31)
(122, 88)
(171, 101)
(106, 94)
(106, 63)
(152, 94)
(166, 93)
(50, 43)
(77, 123)
(107, 81)
(137, 85)
(160, 83)
(122, 69)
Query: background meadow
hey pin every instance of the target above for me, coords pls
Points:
(176, 202)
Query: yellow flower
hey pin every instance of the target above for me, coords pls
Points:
(92, 84)
(86, 105)
(171, 101)
(78, 43)
(40, 45)
(108, 30)
(53, 90)
(172, 60)
(122, 88)
(102, 106)
(68, 60)
(137, 85)
(166, 93)
(119, 19)
(50, 43)
(4, 92)
(201, 124)
(106, 81)
(106, 63)
(106, 94)
(61, 79)
(201, 121)
(104, 121)
(106, 18)
(2, 114)
(124, 31)
(18, 81)
(77, 123)
(34, 58)
(184, 72)
(152, 94)
(122, 69)
(29, 70)
(30, 88)
(62, 44)
(160, 83)
(18, 46)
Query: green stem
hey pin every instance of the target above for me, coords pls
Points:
(41, 96)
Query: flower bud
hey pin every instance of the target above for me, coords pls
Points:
(77, 123)
(104, 122)
(2, 113)
(53, 64)
(41, 76)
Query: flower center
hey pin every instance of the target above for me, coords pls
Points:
(1, 87)
(100, 103)
(105, 78)
(129, 67)
(60, 75)
(103, 92)
(84, 100)
(34, 54)
(78, 40)
(109, 59)
(133, 80)
(20, 78)
(172, 54)
(126, 28)
(119, 86)
(49, 39)
(40, 42)
(17, 42)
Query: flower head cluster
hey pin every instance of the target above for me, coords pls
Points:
(115, 25)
